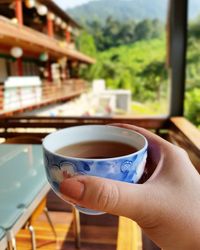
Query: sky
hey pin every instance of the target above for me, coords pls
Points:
(64, 4)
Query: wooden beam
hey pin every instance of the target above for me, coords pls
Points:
(187, 129)
(186, 135)
(62, 122)
(41, 126)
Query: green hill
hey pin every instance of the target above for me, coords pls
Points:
(120, 10)
(127, 10)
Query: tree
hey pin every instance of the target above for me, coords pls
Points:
(114, 33)
(194, 29)
(143, 30)
(86, 44)
(155, 75)
(192, 106)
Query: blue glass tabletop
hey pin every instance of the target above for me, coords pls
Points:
(2, 233)
(22, 174)
(9, 216)
(3, 239)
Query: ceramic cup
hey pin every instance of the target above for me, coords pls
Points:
(128, 168)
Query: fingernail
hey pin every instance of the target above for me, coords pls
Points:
(72, 188)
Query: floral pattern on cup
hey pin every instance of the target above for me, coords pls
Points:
(129, 170)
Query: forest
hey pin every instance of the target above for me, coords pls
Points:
(132, 55)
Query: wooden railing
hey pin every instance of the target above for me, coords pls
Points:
(41, 126)
(184, 134)
(20, 99)
(177, 129)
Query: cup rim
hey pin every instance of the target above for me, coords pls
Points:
(96, 159)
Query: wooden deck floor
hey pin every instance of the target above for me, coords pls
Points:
(104, 232)
(92, 236)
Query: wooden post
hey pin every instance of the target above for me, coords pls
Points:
(19, 11)
(19, 67)
(77, 227)
(49, 71)
(50, 29)
(1, 97)
(178, 49)
(68, 37)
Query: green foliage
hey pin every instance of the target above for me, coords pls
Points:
(131, 55)
(144, 30)
(193, 56)
(192, 105)
(86, 44)
(138, 67)
(156, 74)
(150, 108)
(114, 33)
(194, 31)
(192, 97)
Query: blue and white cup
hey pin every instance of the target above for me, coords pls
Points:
(128, 168)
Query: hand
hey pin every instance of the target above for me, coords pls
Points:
(166, 206)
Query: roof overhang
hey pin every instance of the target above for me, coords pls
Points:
(34, 41)
(53, 7)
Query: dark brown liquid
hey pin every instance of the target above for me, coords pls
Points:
(97, 149)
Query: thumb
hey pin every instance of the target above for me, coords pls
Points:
(115, 197)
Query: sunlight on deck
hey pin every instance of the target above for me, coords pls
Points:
(129, 235)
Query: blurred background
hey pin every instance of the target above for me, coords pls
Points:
(77, 62)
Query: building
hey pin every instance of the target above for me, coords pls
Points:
(37, 39)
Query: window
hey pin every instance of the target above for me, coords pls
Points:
(129, 40)
(192, 95)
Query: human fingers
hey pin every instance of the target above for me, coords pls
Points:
(101, 194)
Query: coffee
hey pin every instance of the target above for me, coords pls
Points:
(97, 149)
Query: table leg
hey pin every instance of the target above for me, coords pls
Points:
(33, 240)
(50, 222)
(12, 244)
(77, 227)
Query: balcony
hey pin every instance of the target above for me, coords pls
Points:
(16, 100)
(105, 231)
